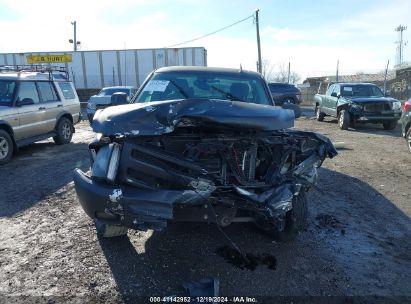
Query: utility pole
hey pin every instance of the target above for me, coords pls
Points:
(400, 43)
(258, 41)
(74, 23)
(336, 76)
(385, 78)
(289, 65)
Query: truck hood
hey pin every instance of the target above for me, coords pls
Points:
(365, 100)
(156, 118)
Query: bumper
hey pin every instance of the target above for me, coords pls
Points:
(385, 116)
(134, 208)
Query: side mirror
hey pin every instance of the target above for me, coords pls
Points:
(119, 98)
(387, 94)
(25, 102)
(334, 94)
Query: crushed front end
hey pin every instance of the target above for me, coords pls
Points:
(196, 171)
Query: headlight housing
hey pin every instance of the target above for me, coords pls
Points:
(106, 162)
(396, 105)
(357, 106)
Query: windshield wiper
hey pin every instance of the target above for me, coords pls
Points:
(227, 95)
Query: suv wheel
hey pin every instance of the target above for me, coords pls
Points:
(64, 131)
(344, 120)
(408, 139)
(318, 115)
(6, 147)
(391, 125)
(295, 220)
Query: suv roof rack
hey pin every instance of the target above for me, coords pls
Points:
(61, 71)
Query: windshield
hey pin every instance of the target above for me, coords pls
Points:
(111, 91)
(6, 91)
(361, 91)
(185, 85)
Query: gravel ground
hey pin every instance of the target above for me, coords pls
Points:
(357, 242)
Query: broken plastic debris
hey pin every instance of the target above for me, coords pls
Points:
(116, 195)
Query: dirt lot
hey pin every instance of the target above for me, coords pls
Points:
(357, 242)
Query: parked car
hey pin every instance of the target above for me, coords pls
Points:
(36, 103)
(285, 93)
(103, 99)
(200, 145)
(406, 123)
(357, 103)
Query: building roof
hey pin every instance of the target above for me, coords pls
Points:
(353, 78)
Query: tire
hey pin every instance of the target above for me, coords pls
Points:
(344, 120)
(408, 139)
(318, 115)
(295, 220)
(64, 131)
(391, 125)
(109, 231)
(6, 147)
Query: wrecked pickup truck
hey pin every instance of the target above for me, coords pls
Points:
(355, 103)
(203, 145)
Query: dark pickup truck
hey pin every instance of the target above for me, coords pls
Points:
(357, 102)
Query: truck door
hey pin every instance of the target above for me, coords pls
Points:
(52, 104)
(326, 100)
(334, 100)
(31, 115)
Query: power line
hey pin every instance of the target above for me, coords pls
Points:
(209, 34)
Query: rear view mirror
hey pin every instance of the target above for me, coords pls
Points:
(119, 98)
(25, 102)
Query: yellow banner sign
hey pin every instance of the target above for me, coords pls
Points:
(32, 59)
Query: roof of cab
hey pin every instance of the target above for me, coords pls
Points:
(202, 69)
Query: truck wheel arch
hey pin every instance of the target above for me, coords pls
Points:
(6, 127)
(61, 115)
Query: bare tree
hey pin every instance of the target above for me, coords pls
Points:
(278, 72)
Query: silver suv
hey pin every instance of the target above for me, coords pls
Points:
(36, 102)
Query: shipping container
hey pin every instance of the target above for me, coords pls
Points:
(93, 70)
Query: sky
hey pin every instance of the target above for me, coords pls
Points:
(311, 35)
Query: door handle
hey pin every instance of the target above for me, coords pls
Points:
(60, 106)
(42, 108)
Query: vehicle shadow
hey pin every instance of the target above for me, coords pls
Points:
(344, 237)
(42, 168)
(366, 128)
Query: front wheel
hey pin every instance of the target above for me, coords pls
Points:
(344, 120)
(64, 131)
(6, 147)
(295, 220)
(391, 125)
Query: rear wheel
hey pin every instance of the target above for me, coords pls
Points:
(64, 131)
(391, 125)
(408, 139)
(344, 120)
(295, 220)
(109, 231)
(6, 147)
(318, 115)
